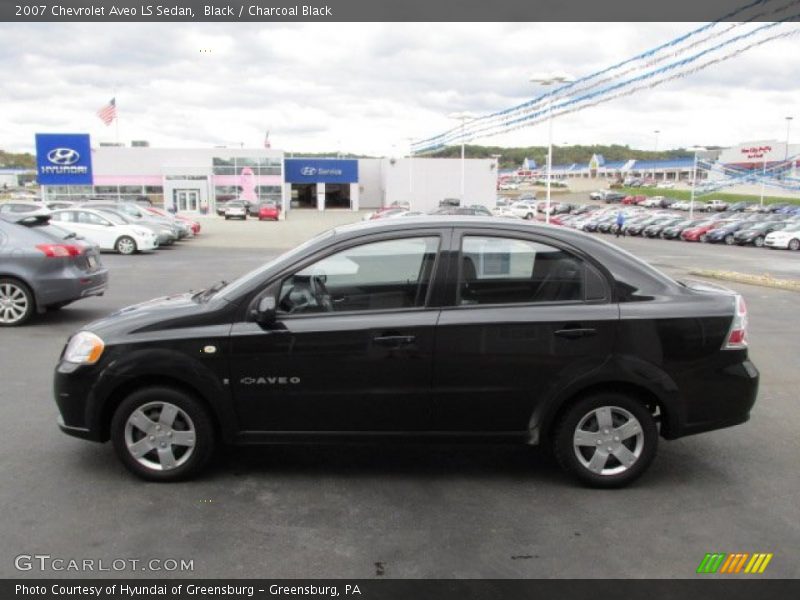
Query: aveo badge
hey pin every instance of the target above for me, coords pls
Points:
(269, 380)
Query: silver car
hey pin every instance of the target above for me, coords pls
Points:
(44, 267)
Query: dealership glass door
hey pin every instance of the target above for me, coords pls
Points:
(187, 200)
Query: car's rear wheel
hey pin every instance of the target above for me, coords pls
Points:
(794, 245)
(16, 302)
(126, 245)
(162, 434)
(529, 216)
(606, 440)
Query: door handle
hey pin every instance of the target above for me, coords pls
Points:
(395, 340)
(576, 332)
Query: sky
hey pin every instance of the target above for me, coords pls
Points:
(365, 88)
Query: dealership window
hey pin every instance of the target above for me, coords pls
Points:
(498, 270)
(383, 275)
(260, 166)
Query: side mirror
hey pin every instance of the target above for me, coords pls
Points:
(265, 312)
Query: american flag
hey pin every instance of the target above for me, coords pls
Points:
(108, 113)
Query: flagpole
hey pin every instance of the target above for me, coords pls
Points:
(116, 115)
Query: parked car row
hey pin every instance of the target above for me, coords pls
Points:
(123, 227)
(710, 206)
(771, 230)
(241, 209)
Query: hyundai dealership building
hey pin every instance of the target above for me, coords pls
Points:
(196, 180)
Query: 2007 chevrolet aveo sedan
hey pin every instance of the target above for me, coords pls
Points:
(432, 328)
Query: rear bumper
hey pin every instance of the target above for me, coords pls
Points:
(726, 400)
(71, 284)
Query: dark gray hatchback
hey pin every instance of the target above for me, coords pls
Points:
(424, 328)
(43, 267)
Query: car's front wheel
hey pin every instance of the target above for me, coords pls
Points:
(758, 242)
(126, 245)
(162, 434)
(606, 440)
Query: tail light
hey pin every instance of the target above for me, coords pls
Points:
(737, 336)
(59, 250)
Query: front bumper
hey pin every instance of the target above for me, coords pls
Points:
(72, 391)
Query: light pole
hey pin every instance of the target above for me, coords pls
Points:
(547, 79)
(410, 141)
(788, 127)
(656, 132)
(464, 117)
(696, 149)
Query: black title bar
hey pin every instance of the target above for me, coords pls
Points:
(383, 10)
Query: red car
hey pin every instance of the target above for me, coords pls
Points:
(161, 213)
(697, 234)
(269, 211)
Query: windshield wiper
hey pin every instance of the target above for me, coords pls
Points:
(206, 294)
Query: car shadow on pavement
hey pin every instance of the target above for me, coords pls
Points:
(439, 461)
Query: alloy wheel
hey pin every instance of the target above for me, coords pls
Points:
(160, 436)
(126, 245)
(14, 303)
(608, 440)
(794, 245)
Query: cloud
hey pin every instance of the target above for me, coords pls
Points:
(364, 87)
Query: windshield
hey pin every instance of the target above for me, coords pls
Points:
(114, 217)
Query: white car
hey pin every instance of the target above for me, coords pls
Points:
(680, 205)
(665, 185)
(235, 210)
(788, 238)
(524, 209)
(106, 230)
(652, 202)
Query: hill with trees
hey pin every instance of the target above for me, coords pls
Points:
(513, 157)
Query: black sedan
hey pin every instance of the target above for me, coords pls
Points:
(44, 267)
(755, 235)
(431, 328)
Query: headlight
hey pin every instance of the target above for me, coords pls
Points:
(84, 348)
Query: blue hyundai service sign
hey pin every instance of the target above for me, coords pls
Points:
(320, 170)
(63, 159)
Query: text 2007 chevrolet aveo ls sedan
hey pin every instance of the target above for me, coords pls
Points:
(433, 328)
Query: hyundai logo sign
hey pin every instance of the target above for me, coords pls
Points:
(63, 156)
(320, 170)
(63, 159)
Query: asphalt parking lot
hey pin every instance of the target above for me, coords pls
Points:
(406, 510)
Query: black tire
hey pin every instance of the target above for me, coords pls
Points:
(126, 245)
(198, 420)
(21, 303)
(529, 216)
(567, 455)
(227, 217)
(794, 244)
(758, 242)
(704, 238)
(729, 239)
